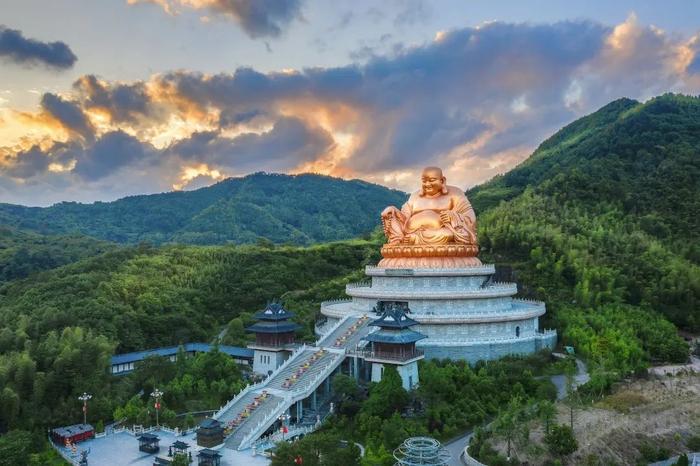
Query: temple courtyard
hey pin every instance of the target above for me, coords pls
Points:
(122, 449)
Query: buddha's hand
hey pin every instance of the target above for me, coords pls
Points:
(389, 211)
(445, 217)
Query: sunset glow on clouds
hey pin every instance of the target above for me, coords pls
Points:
(474, 100)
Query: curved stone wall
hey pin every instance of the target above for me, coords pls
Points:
(464, 314)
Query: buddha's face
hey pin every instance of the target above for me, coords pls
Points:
(432, 181)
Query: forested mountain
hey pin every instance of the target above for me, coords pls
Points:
(300, 209)
(643, 158)
(601, 222)
(23, 253)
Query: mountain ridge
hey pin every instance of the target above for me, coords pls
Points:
(303, 209)
(640, 156)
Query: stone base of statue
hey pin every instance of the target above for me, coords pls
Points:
(464, 313)
(412, 256)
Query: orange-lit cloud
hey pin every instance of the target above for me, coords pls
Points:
(476, 101)
(201, 170)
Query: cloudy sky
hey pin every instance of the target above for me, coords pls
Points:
(103, 99)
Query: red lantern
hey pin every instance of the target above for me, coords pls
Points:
(157, 405)
(299, 460)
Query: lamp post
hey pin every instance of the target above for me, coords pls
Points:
(84, 398)
(283, 418)
(157, 394)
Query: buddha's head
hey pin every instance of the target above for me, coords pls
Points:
(432, 182)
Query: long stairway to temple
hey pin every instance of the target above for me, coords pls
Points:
(257, 407)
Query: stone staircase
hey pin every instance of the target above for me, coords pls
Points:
(343, 337)
(267, 410)
(295, 380)
(280, 379)
(234, 410)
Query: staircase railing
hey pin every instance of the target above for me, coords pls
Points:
(332, 330)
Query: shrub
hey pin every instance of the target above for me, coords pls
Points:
(561, 441)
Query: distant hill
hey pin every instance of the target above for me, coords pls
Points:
(301, 209)
(605, 213)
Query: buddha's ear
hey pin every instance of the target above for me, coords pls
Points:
(443, 190)
(421, 192)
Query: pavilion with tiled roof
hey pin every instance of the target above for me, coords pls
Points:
(274, 337)
(394, 343)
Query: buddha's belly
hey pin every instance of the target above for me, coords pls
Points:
(424, 220)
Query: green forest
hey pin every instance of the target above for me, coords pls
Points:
(600, 223)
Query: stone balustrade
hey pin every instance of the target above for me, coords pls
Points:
(363, 284)
(405, 294)
(386, 355)
(484, 269)
(331, 302)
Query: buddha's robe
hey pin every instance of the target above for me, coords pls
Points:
(418, 221)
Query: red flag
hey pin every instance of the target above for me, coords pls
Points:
(285, 430)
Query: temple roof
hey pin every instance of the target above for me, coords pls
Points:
(209, 423)
(273, 312)
(234, 351)
(273, 327)
(208, 453)
(75, 429)
(394, 317)
(393, 336)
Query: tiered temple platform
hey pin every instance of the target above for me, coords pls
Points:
(463, 313)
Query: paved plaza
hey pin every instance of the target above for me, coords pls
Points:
(122, 449)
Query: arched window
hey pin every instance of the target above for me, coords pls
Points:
(517, 332)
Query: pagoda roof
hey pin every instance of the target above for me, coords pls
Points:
(208, 453)
(273, 327)
(209, 423)
(180, 445)
(394, 317)
(273, 311)
(392, 336)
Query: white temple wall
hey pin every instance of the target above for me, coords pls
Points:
(407, 372)
(264, 362)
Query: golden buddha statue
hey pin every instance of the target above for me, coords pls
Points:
(436, 227)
